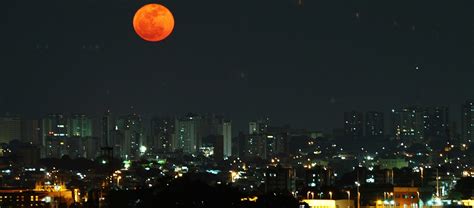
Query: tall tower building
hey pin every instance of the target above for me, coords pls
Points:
(467, 121)
(277, 141)
(162, 130)
(54, 133)
(409, 123)
(280, 179)
(106, 129)
(30, 131)
(436, 122)
(227, 133)
(10, 129)
(79, 125)
(253, 145)
(253, 127)
(353, 125)
(374, 123)
(131, 128)
(259, 126)
(187, 134)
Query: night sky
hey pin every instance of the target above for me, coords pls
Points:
(299, 64)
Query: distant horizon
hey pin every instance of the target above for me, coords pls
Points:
(242, 123)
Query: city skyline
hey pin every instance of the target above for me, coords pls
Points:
(238, 104)
(454, 116)
(430, 120)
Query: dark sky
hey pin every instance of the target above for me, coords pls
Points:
(302, 65)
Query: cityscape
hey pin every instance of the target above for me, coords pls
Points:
(237, 104)
(77, 160)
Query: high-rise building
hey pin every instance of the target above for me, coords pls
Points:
(253, 127)
(54, 125)
(79, 125)
(188, 134)
(131, 128)
(117, 142)
(319, 176)
(61, 135)
(30, 131)
(190, 130)
(106, 129)
(253, 145)
(91, 147)
(239, 145)
(259, 126)
(162, 130)
(374, 123)
(353, 125)
(436, 122)
(408, 123)
(218, 148)
(467, 121)
(414, 124)
(277, 141)
(227, 136)
(54, 133)
(10, 129)
(211, 124)
(280, 179)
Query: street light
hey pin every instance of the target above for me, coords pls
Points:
(392, 200)
(418, 199)
(421, 174)
(348, 199)
(118, 180)
(358, 194)
(58, 189)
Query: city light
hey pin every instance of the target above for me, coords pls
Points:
(353, 104)
(143, 149)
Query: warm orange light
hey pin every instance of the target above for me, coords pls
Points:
(153, 22)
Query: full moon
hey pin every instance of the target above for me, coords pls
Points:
(153, 22)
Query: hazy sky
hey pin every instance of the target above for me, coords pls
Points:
(299, 64)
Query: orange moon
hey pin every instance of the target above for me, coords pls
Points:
(153, 22)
